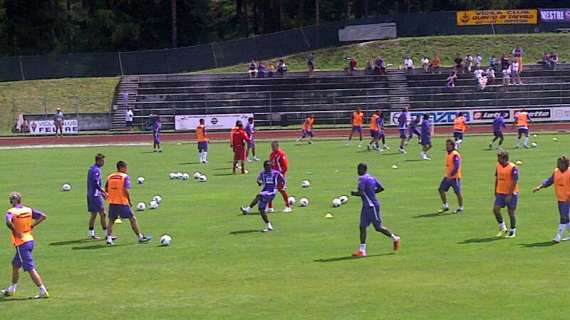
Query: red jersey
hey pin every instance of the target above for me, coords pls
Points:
(238, 137)
(279, 161)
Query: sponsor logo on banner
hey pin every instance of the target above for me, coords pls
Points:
(44, 127)
(436, 116)
(212, 121)
(555, 15)
(482, 17)
(561, 113)
(489, 115)
(536, 114)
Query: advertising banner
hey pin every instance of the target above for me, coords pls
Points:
(484, 17)
(46, 127)
(212, 121)
(554, 15)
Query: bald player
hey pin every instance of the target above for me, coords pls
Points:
(506, 193)
(21, 220)
(117, 188)
(452, 178)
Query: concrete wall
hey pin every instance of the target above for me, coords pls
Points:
(87, 121)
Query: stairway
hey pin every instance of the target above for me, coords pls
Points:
(398, 90)
(127, 86)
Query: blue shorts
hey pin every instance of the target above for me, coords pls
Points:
(156, 136)
(374, 134)
(498, 134)
(453, 183)
(308, 133)
(403, 133)
(251, 143)
(357, 129)
(458, 135)
(501, 201)
(122, 211)
(370, 215)
(203, 146)
(523, 131)
(23, 258)
(413, 131)
(95, 204)
(381, 134)
(265, 197)
(564, 209)
(425, 141)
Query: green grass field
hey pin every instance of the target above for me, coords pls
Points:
(220, 267)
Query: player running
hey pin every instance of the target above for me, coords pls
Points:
(202, 139)
(238, 138)
(381, 133)
(269, 179)
(250, 130)
(368, 187)
(498, 127)
(156, 126)
(403, 126)
(521, 122)
(561, 181)
(459, 128)
(506, 193)
(357, 120)
(374, 131)
(117, 188)
(96, 197)
(425, 139)
(413, 129)
(21, 221)
(280, 162)
(307, 131)
(452, 177)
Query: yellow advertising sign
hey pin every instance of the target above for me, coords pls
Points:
(479, 17)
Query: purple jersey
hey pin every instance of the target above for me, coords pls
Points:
(403, 120)
(367, 186)
(94, 181)
(426, 128)
(156, 125)
(270, 180)
(498, 124)
(250, 129)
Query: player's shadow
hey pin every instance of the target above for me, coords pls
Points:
(430, 215)
(188, 163)
(233, 233)
(11, 299)
(70, 242)
(414, 160)
(480, 240)
(222, 169)
(344, 258)
(223, 174)
(538, 244)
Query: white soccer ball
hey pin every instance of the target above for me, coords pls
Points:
(158, 199)
(534, 145)
(343, 199)
(304, 202)
(140, 180)
(179, 175)
(185, 176)
(291, 201)
(165, 240)
(66, 187)
(203, 178)
(196, 175)
(336, 202)
(305, 184)
(153, 204)
(172, 176)
(141, 206)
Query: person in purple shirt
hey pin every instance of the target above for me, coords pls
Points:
(95, 197)
(268, 179)
(368, 187)
(403, 126)
(425, 137)
(498, 127)
(413, 129)
(381, 133)
(250, 130)
(156, 126)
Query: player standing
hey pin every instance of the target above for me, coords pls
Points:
(413, 129)
(425, 139)
(269, 179)
(238, 138)
(498, 127)
(368, 187)
(357, 120)
(250, 130)
(403, 127)
(307, 131)
(280, 162)
(459, 128)
(202, 139)
(381, 133)
(561, 181)
(58, 120)
(452, 177)
(374, 131)
(117, 188)
(156, 126)
(521, 122)
(506, 193)
(96, 196)
(21, 221)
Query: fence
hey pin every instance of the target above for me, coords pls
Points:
(232, 52)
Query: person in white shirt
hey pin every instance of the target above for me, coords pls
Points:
(129, 115)
(425, 63)
(468, 62)
(408, 64)
(490, 75)
(506, 77)
(480, 78)
(515, 73)
(478, 60)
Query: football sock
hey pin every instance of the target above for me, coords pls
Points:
(43, 288)
(363, 247)
(502, 226)
(205, 155)
(394, 237)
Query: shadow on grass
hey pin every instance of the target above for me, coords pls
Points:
(69, 242)
(244, 231)
(336, 259)
(222, 169)
(430, 215)
(11, 299)
(187, 163)
(538, 244)
(93, 247)
(480, 240)
(413, 160)
(223, 174)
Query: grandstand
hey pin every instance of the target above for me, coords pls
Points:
(330, 95)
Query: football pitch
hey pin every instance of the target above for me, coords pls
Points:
(220, 266)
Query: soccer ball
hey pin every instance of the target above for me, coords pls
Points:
(140, 180)
(336, 203)
(165, 240)
(185, 176)
(179, 175)
(343, 199)
(203, 178)
(197, 175)
(153, 204)
(158, 199)
(291, 201)
(141, 206)
(534, 145)
(66, 187)
(172, 176)
(305, 184)
(304, 202)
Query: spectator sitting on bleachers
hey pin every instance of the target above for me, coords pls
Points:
(261, 70)
(425, 63)
(478, 61)
(379, 66)
(505, 63)
(351, 65)
(270, 70)
(435, 63)
(409, 64)
(451, 79)
(481, 78)
(490, 75)
(493, 63)
(552, 60)
(458, 63)
(252, 69)
(369, 67)
(468, 63)
(281, 67)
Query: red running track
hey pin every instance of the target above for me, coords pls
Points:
(267, 135)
